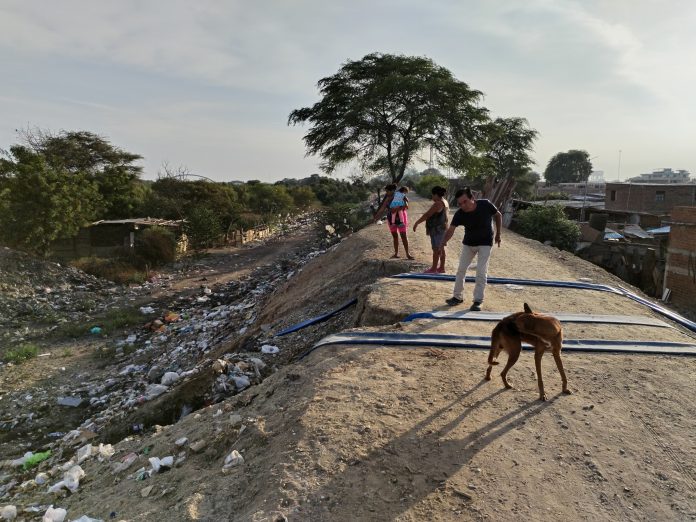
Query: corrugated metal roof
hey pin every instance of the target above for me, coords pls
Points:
(140, 221)
(661, 230)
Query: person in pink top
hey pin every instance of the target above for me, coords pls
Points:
(396, 221)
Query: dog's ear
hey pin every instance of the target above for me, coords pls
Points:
(527, 309)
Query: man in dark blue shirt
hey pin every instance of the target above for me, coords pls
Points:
(476, 215)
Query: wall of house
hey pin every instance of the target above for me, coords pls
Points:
(680, 272)
(645, 198)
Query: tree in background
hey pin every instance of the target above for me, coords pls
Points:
(425, 184)
(40, 202)
(509, 145)
(573, 166)
(383, 109)
(203, 227)
(174, 198)
(526, 183)
(83, 153)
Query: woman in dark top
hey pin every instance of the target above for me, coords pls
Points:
(435, 227)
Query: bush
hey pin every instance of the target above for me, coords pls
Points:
(203, 227)
(156, 246)
(116, 270)
(428, 181)
(21, 353)
(549, 223)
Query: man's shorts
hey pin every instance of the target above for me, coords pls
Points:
(436, 239)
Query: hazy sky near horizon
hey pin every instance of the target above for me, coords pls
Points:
(209, 85)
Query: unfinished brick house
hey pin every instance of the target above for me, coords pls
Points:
(680, 270)
(651, 198)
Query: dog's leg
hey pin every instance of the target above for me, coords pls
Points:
(513, 354)
(538, 354)
(559, 365)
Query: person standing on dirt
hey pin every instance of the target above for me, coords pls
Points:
(476, 215)
(396, 221)
(435, 227)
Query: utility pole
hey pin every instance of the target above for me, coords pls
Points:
(619, 172)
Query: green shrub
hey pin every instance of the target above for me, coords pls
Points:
(548, 223)
(203, 227)
(116, 270)
(109, 322)
(426, 183)
(21, 353)
(156, 246)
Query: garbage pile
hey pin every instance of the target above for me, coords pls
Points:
(171, 348)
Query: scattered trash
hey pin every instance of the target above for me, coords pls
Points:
(35, 459)
(125, 463)
(146, 491)
(73, 402)
(95, 330)
(85, 518)
(182, 441)
(269, 349)
(8, 512)
(54, 514)
(514, 287)
(170, 378)
(171, 317)
(198, 446)
(147, 310)
(233, 459)
(154, 390)
(157, 463)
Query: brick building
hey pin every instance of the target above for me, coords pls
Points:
(680, 270)
(652, 198)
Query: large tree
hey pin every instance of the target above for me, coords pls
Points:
(509, 144)
(80, 152)
(40, 202)
(573, 166)
(383, 109)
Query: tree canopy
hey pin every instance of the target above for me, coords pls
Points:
(383, 109)
(85, 153)
(573, 166)
(40, 203)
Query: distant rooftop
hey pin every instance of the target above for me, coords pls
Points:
(663, 176)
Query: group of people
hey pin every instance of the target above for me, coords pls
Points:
(475, 215)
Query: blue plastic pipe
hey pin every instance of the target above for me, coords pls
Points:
(691, 325)
(315, 320)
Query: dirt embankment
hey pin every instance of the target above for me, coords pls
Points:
(382, 433)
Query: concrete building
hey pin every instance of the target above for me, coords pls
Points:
(662, 176)
(680, 269)
(651, 198)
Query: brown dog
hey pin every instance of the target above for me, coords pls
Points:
(543, 332)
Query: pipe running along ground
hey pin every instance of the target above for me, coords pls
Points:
(402, 340)
(691, 325)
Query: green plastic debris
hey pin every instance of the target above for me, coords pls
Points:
(35, 459)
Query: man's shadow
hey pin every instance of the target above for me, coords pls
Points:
(408, 469)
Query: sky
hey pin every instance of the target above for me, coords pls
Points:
(209, 85)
